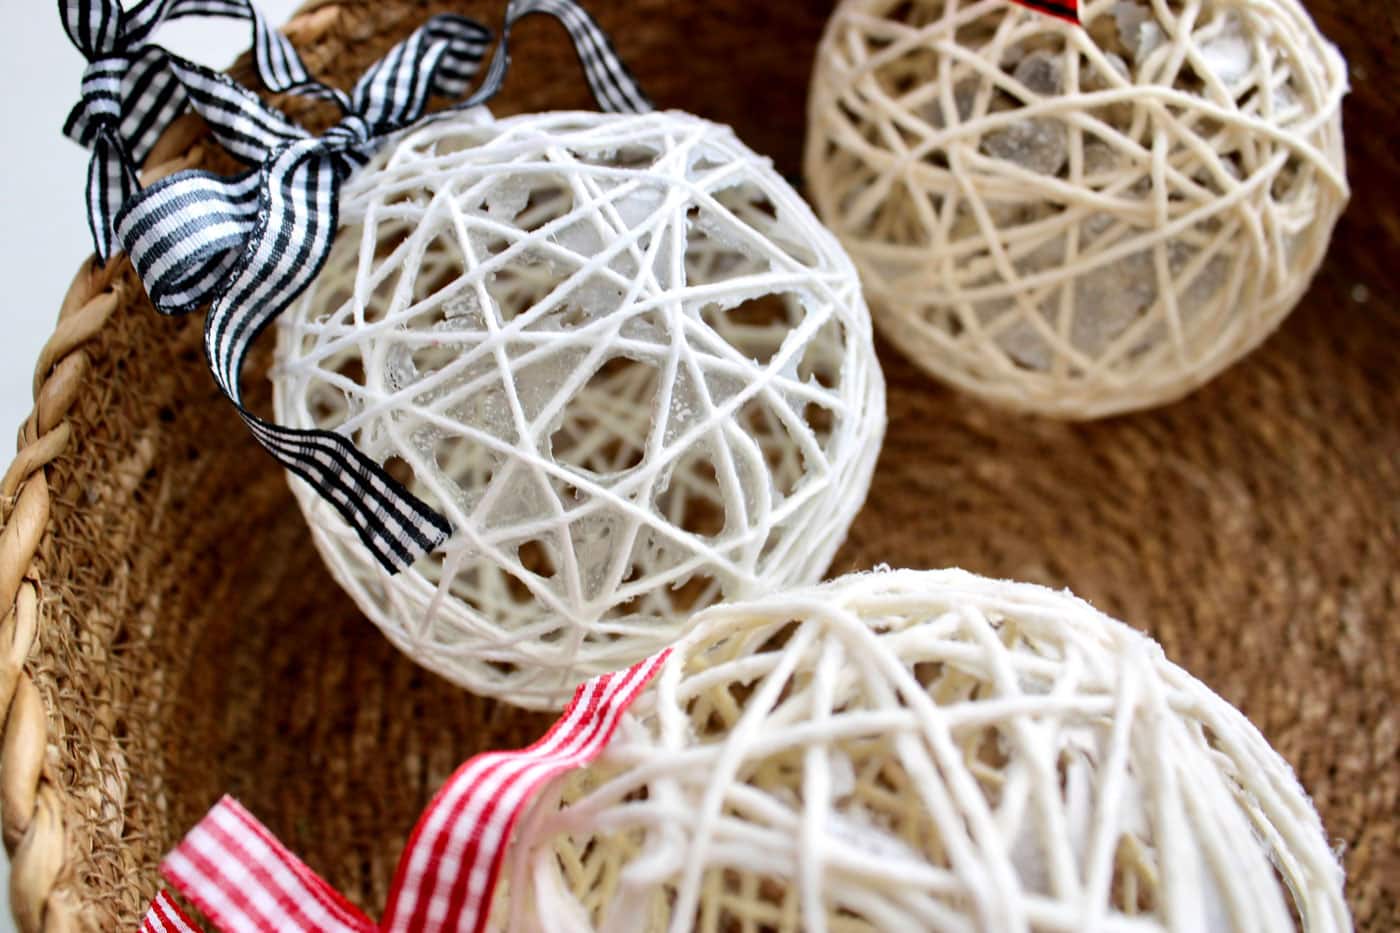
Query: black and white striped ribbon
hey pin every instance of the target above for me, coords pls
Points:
(608, 78)
(249, 244)
(130, 92)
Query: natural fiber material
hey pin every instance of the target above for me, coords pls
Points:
(618, 353)
(926, 750)
(1079, 221)
(172, 634)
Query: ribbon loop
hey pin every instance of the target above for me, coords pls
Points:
(130, 90)
(183, 264)
(608, 78)
(611, 84)
(439, 58)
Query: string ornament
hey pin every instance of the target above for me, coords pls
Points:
(617, 352)
(924, 751)
(1078, 221)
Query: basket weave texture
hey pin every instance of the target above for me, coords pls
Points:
(171, 634)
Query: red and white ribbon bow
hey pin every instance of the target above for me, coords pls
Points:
(245, 881)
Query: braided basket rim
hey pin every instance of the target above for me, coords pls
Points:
(31, 812)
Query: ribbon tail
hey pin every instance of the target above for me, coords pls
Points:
(299, 190)
(242, 878)
(110, 183)
(459, 845)
(165, 916)
(93, 26)
(196, 238)
(278, 64)
(393, 524)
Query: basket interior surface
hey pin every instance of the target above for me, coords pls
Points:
(190, 644)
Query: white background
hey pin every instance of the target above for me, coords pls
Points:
(43, 229)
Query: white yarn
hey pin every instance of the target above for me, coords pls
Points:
(925, 751)
(1075, 221)
(619, 353)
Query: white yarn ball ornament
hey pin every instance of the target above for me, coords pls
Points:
(618, 353)
(925, 751)
(1078, 221)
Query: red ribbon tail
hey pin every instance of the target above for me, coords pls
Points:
(240, 877)
(1067, 10)
(165, 916)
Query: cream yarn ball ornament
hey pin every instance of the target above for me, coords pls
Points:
(1078, 221)
(618, 353)
(925, 751)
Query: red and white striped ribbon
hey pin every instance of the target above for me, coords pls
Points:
(165, 916)
(240, 877)
(245, 881)
(448, 872)
(1060, 9)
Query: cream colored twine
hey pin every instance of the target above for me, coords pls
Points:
(925, 751)
(1078, 221)
(623, 358)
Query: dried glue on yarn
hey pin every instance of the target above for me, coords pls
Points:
(623, 358)
(1078, 221)
(924, 751)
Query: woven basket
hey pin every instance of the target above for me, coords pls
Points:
(173, 636)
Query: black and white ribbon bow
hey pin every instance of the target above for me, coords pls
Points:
(249, 244)
(130, 92)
